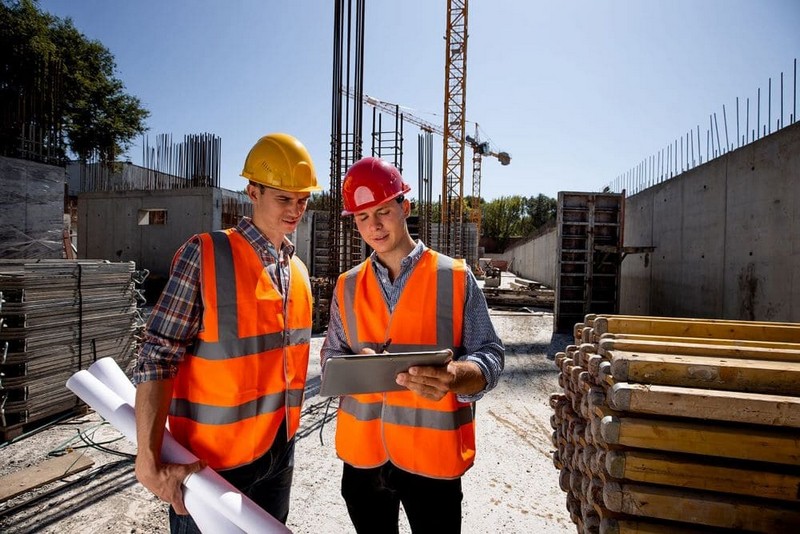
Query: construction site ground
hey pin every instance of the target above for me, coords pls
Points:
(513, 486)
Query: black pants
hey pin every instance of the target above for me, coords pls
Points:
(267, 481)
(373, 498)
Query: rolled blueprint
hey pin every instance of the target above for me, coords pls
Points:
(213, 502)
(109, 373)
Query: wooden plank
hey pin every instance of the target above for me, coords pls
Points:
(576, 333)
(688, 472)
(753, 330)
(644, 526)
(593, 365)
(694, 319)
(708, 341)
(754, 376)
(766, 444)
(695, 403)
(29, 478)
(667, 346)
(704, 508)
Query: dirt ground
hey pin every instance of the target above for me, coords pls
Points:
(513, 486)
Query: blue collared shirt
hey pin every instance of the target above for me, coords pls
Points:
(479, 338)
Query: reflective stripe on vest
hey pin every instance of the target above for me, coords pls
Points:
(434, 439)
(247, 370)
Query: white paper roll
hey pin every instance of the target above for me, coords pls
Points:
(206, 493)
(109, 373)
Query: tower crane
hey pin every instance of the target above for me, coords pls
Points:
(455, 106)
(480, 149)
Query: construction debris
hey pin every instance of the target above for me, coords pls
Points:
(518, 294)
(679, 425)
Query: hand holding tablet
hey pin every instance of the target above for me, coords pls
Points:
(374, 373)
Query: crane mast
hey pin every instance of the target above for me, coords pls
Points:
(455, 97)
(479, 150)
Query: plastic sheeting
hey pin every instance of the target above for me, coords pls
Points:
(31, 210)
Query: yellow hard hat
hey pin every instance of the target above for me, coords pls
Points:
(279, 160)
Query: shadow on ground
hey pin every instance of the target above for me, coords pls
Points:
(558, 342)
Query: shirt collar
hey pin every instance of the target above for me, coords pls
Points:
(260, 242)
(406, 263)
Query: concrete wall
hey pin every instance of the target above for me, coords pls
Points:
(727, 237)
(31, 210)
(535, 259)
(109, 226)
(303, 239)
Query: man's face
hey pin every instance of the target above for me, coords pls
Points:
(383, 226)
(280, 211)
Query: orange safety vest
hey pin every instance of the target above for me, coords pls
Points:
(430, 438)
(247, 369)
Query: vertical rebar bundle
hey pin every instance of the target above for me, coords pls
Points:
(30, 115)
(346, 127)
(425, 191)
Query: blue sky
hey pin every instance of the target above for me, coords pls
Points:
(576, 91)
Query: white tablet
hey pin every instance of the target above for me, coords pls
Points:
(374, 373)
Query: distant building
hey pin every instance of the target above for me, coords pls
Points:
(148, 226)
(125, 212)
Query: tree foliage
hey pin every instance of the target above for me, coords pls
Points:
(516, 216)
(506, 217)
(90, 107)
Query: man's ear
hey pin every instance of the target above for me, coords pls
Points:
(406, 208)
(252, 192)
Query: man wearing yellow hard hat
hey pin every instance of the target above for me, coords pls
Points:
(225, 354)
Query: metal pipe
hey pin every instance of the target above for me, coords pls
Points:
(737, 122)
(769, 105)
(758, 115)
(780, 121)
(747, 122)
(699, 154)
(725, 123)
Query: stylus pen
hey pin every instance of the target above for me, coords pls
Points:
(386, 345)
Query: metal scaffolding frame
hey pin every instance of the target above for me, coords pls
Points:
(346, 128)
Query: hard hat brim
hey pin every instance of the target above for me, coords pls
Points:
(406, 189)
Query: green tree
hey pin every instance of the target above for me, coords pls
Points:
(515, 216)
(83, 100)
(502, 217)
(538, 212)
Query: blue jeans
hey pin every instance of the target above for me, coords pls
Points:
(267, 481)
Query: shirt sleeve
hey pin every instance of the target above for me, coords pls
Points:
(481, 343)
(175, 320)
(335, 343)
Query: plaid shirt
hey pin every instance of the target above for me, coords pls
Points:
(176, 319)
(478, 335)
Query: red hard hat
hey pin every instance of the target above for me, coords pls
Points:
(370, 182)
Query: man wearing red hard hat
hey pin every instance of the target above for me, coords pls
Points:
(410, 446)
